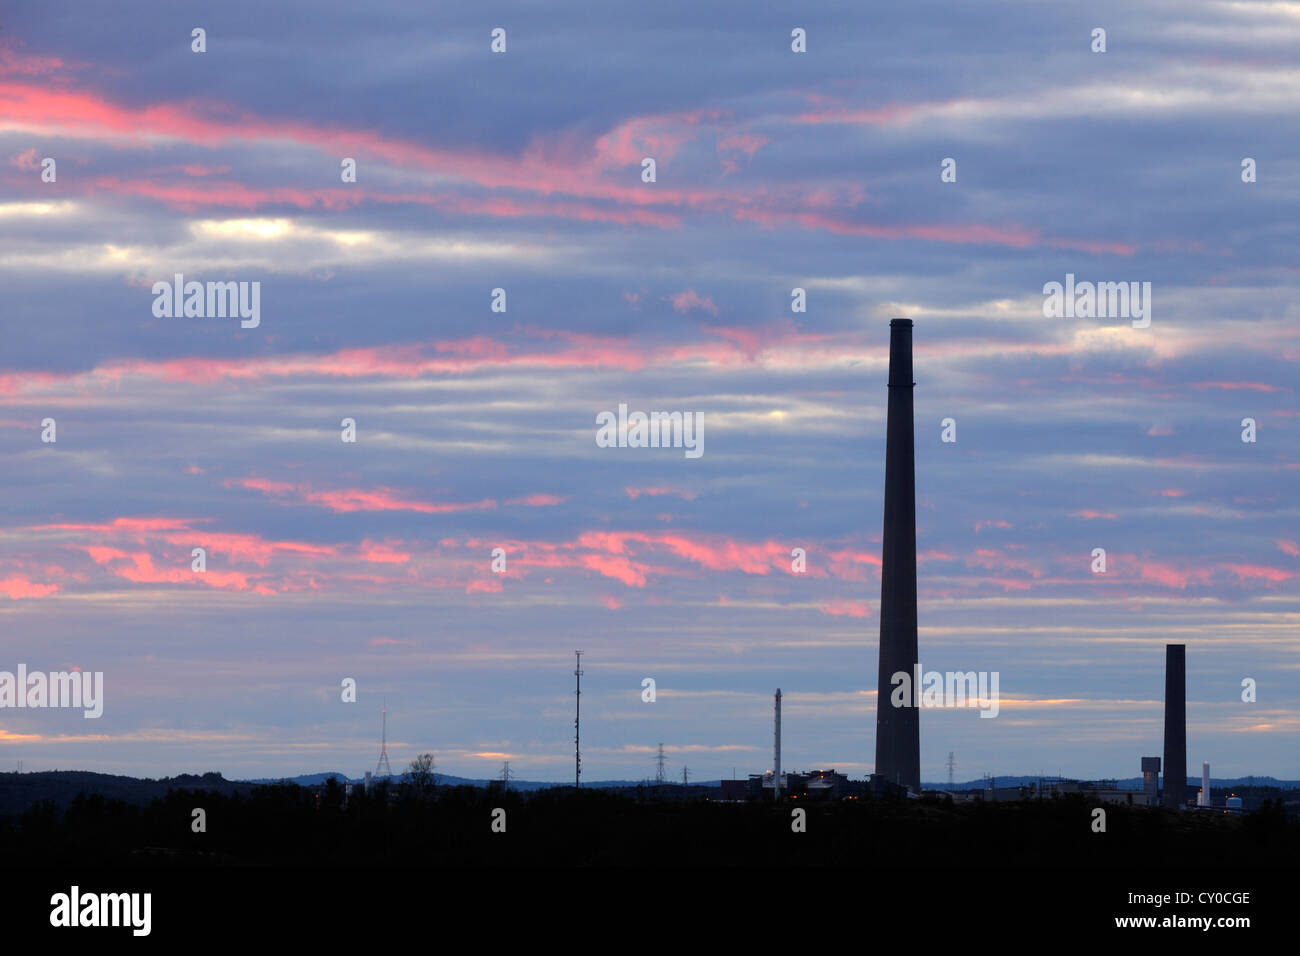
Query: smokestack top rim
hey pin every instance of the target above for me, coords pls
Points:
(907, 322)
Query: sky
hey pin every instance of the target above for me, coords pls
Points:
(475, 427)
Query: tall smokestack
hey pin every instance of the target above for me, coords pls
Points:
(1175, 725)
(776, 750)
(898, 729)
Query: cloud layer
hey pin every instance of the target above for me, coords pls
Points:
(475, 424)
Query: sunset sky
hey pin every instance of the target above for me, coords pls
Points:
(522, 170)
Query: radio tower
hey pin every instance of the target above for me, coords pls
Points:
(659, 774)
(951, 764)
(577, 721)
(383, 767)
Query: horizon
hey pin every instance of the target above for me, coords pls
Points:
(397, 776)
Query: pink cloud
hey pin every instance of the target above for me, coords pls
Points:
(995, 560)
(845, 563)
(538, 500)
(1015, 236)
(621, 569)
(635, 493)
(1249, 571)
(1012, 584)
(194, 169)
(181, 533)
(134, 526)
(857, 116)
(567, 176)
(846, 608)
(13, 62)
(1249, 386)
(345, 500)
(142, 571)
(25, 160)
(102, 555)
(1171, 576)
(18, 586)
(746, 143)
(687, 299)
(383, 554)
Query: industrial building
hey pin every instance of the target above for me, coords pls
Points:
(1045, 788)
(1151, 780)
(1104, 791)
(810, 785)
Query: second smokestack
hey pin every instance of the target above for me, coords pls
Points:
(1175, 725)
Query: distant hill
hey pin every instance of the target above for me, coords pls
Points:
(450, 780)
(302, 780)
(18, 791)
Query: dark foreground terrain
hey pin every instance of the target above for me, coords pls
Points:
(407, 825)
(316, 865)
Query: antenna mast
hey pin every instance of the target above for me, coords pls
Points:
(577, 721)
(776, 749)
(383, 767)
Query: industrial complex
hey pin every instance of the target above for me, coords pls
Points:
(898, 734)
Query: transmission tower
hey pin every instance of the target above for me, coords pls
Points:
(505, 775)
(686, 775)
(951, 763)
(659, 774)
(383, 767)
(577, 721)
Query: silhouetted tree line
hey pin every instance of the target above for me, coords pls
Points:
(417, 823)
